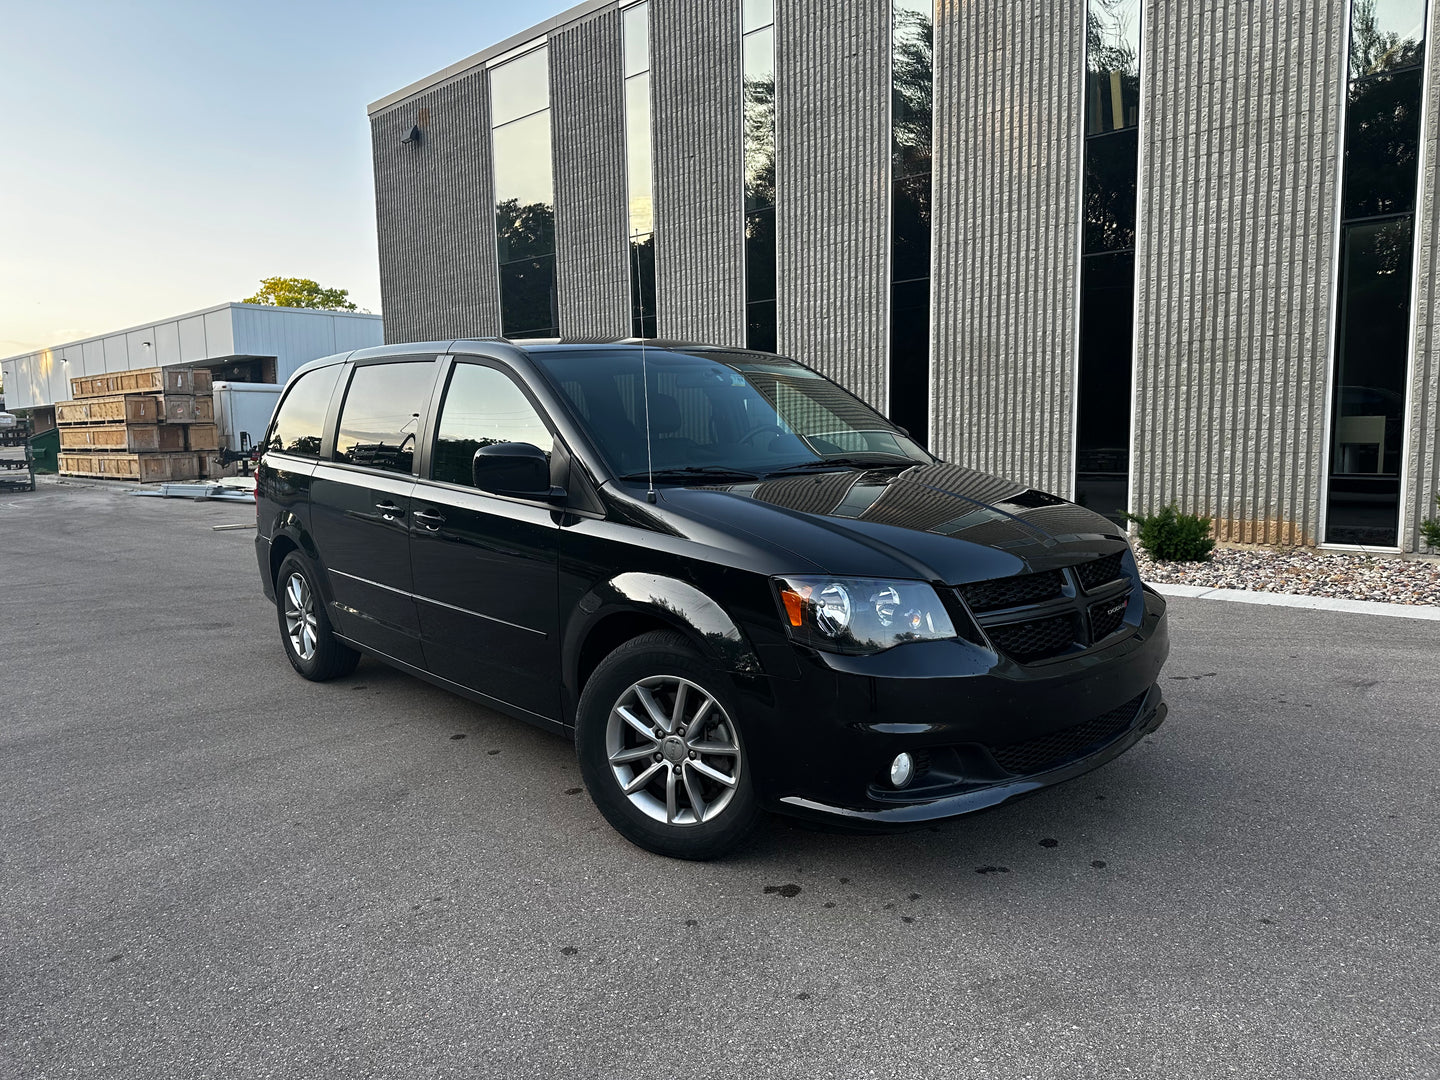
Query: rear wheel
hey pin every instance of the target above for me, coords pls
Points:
(661, 753)
(310, 643)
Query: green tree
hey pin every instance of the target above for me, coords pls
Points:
(300, 292)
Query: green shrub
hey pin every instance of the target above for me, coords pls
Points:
(1430, 529)
(1171, 536)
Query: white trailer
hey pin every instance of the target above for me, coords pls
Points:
(243, 411)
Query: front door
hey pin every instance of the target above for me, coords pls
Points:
(485, 567)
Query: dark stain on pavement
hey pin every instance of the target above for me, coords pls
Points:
(784, 890)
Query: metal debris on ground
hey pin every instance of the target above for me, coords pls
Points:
(229, 528)
(228, 489)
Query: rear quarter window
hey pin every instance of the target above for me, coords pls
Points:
(300, 420)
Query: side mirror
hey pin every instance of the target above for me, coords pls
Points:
(519, 470)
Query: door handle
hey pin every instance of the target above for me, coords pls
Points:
(430, 519)
(389, 511)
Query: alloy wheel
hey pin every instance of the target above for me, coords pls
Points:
(673, 750)
(300, 622)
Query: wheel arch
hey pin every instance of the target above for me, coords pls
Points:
(631, 604)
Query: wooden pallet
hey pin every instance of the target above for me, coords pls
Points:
(116, 408)
(127, 438)
(147, 468)
(203, 437)
(187, 409)
(169, 380)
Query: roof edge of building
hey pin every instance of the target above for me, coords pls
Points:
(230, 305)
(470, 63)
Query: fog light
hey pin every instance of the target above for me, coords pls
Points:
(902, 770)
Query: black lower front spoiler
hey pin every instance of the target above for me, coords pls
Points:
(1152, 715)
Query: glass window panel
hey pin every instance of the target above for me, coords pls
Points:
(760, 120)
(301, 420)
(760, 255)
(1112, 59)
(523, 170)
(642, 286)
(760, 333)
(1385, 35)
(528, 305)
(756, 13)
(635, 31)
(910, 357)
(1382, 142)
(381, 415)
(482, 407)
(1368, 429)
(638, 161)
(520, 87)
(1110, 169)
(912, 89)
(524, 189)
(910, 256)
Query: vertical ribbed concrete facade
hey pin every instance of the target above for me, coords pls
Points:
(435, 211)
(699, 180)
(1240, 137)
(832, 211)
(1009, 81)
(588, 107)
(1422, 465)
(1239, 181)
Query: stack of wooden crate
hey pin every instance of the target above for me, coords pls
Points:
(152, 424)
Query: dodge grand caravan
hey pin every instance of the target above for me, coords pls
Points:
(732, 583)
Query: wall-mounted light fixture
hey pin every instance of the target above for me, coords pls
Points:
(416, 135)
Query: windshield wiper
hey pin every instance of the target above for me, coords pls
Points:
(841, 461)
(693, 472)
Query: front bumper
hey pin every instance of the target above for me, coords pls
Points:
(985, 729)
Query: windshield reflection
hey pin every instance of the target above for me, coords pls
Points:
(710, 413)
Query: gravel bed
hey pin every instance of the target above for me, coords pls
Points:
(1305, 572)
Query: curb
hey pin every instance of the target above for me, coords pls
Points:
(1315, 603)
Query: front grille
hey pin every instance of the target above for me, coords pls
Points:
(1099, 572)
(1014, 591)
(1038, 639)
(1059, 747)
(1108, 616)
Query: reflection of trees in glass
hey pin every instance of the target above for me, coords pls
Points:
(759, 142)
(642, 286)
(912, 91)
(524, 231)
(1382, 145)
(1112, 57)
(1375, 49)
(1110, 169)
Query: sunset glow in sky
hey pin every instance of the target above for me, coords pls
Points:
(162, 156)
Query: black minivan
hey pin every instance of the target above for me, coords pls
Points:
(736, 586)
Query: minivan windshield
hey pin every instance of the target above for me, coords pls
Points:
(716, 415)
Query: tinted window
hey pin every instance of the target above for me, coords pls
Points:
(1385, 35)
(482, 407)
(716, 408)
(520, 87)
(381, 415)
(301, 418)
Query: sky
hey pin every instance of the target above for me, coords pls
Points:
(160, 157)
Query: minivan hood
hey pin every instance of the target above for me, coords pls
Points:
(940, 522)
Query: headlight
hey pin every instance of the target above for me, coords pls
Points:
(861, 615)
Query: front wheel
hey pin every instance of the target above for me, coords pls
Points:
(310, 643)
(660, 752)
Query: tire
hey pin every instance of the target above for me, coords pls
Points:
(700, 773)
(305, 631)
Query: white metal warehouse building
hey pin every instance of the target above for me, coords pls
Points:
(241, 342)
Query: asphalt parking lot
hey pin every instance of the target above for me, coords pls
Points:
(211, 868)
